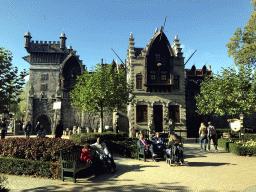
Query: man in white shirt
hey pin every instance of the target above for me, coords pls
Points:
(103, 153)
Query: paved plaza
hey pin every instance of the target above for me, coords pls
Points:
(206, 171)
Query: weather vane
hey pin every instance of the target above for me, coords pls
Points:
(162, 28)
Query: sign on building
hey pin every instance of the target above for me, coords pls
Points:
(57, 105)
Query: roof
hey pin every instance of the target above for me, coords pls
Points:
(45, 47)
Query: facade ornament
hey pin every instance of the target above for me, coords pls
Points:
(171, 124)
(58, 91)
(31, 91)
(151, 126)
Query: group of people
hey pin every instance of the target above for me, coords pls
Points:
(157, 145)
(101, 155)
(207, 134)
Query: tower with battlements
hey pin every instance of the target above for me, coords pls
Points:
(53, 72)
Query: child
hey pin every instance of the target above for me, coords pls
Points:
(86, 155)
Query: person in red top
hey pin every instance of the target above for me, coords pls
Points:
(86, 155)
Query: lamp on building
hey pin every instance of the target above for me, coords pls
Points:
(242, 126)
(117, 126)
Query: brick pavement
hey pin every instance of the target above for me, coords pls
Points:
(206, 171)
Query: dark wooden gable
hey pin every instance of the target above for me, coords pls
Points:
(158, 63)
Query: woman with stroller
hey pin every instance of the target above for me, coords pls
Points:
(175, 150)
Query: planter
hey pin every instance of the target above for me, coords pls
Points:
(226, 135)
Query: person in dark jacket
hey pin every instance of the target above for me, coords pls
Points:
(21, 125)
(59, 130)
(28, 129)
(157, 143)
(41, 132)
(3, 127)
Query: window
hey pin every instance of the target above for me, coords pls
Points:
(176, 82)
(43, 87)
(163, 77)
(174, 113)
(142, 113)
(44, 76)
(153, 77)
(158, 58)
(138, 81)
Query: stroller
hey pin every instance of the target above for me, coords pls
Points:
(175, 154)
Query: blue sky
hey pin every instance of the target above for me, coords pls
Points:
(93, 27)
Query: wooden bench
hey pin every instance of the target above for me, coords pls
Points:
(71, 164)
(141, 155)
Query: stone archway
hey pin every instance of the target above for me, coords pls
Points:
(46, 122)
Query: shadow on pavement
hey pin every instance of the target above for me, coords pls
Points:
(110, 186)
(109, 182)
(204, 164)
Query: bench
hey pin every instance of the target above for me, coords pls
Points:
(141, 155)
(71, 163)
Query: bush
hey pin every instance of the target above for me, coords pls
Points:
(3, 180)
(43, 149)
(250, 136)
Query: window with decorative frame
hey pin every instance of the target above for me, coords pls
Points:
(44, 76)
(163, 77)
(138, 81)
(174, 113)
(158, 58)
(43, 87)
(176, 82)
(153, 77)
(141, 113)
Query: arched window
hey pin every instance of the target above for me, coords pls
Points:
(138, 81)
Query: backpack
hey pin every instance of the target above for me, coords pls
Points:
(212, 131)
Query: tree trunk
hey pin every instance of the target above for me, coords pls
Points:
(101, 119)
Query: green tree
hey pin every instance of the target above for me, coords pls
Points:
(18, 108)
(104, 89)
(242, 45)
(10, 82)
(231, 92)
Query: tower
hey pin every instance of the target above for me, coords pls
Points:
(62, 41)
(27, 40)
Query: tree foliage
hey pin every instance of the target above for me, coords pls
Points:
(18, 108)
(10, 82)
(231, 92)
(104, 89)
(242, 45)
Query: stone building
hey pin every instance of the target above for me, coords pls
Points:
(159, 77)
(53, 71)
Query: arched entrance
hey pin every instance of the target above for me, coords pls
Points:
(44, 120)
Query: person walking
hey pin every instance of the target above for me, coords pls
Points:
(211, 136)
(21, 125)
(203, 136)
(37, 127)
(59, 130)
(3, 127)
(28, 129)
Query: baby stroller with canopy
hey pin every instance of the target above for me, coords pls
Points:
(175, 153)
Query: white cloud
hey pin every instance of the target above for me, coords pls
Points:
(27, 77)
